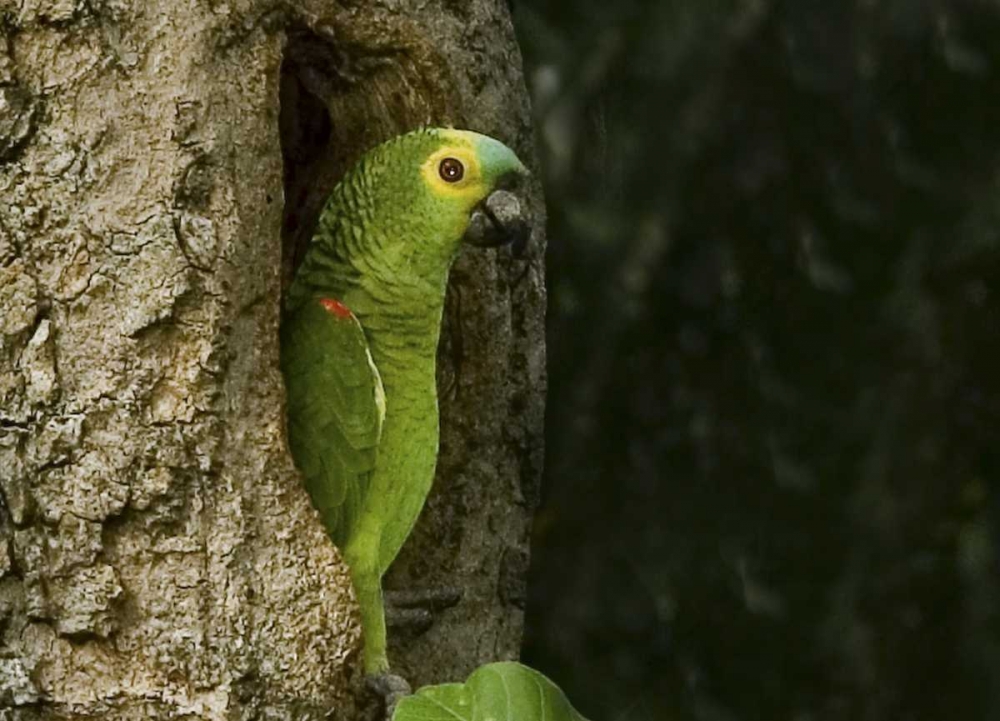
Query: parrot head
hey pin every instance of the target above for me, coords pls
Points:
(424, 193)
(474, 174)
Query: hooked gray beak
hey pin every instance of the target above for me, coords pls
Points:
(500, 219)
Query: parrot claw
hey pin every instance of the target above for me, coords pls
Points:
(390, 688)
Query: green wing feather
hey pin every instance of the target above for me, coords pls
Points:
(336, 405)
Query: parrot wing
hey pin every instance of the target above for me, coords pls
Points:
(336, 405)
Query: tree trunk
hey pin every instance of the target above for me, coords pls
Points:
(158, 555)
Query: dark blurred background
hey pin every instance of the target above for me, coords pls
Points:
(774, 421)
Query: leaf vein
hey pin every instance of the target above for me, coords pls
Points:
(446, 708)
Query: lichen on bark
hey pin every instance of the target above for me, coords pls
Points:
(158, 556)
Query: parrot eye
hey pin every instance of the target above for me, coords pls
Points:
(451, 170)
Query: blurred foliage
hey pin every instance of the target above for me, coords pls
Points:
(774, 418)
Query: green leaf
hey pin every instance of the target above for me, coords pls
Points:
(495, 692)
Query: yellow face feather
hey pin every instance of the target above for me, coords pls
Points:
(469, 186)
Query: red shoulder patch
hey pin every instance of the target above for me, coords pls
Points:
(335, 307)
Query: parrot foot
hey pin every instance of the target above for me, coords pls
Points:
(414, 611)
(390, 688)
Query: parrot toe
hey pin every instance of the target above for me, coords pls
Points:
(414, 611)
(390, 688)
(412, 621)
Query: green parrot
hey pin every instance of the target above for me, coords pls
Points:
(360, 333)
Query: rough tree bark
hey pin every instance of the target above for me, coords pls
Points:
(158, 557)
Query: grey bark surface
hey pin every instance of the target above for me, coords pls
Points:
(158, 555)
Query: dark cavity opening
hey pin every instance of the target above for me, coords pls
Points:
(304, 124)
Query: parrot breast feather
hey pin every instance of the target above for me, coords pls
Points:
(336, 405)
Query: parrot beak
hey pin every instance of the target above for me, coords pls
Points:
(500, 219)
